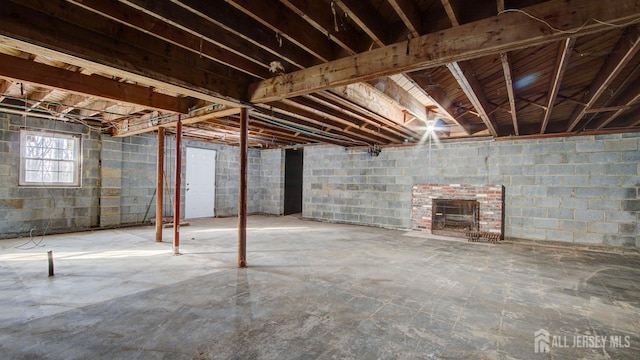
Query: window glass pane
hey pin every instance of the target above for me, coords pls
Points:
(49, 158)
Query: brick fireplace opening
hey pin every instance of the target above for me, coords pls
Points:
(454, 217)
(452, 209)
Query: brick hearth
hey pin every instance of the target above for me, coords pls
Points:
(489, 196)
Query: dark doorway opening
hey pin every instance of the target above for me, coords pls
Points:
(293, 164)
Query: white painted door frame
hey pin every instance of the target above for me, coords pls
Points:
(200, 184)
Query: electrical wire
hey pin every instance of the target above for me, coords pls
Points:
(572, 31)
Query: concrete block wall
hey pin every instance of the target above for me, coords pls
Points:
(138, 178)
(118, 182)
(351, 186)
(272, 181)
(583, 189)
(39, 210)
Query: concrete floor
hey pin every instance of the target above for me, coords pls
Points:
(312, 291)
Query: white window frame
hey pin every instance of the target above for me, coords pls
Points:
(50, 158)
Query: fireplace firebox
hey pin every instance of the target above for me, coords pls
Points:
(454, 217)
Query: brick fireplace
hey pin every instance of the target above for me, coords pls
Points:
(488, 215)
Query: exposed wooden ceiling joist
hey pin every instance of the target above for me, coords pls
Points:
(508, 79)
(172, 17)
(625, 49)
(455, 44)
(630, 97)
(469, 84)
(98, 86)
(410, 15)
(564, 53)
(88, 40)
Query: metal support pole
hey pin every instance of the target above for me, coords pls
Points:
(50, 257)
(159, 185)
(176, 204)
(242, 194)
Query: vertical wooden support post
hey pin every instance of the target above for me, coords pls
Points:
(159, 185)
(176, 204)
(242, 194)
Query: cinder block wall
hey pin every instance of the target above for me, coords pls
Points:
(25, 210)
(118, 182)
(272, 181)
(583, 189)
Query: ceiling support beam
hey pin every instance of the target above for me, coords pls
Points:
(282, 20)
(627, 46)
(34, 100)
(440, 100)
(73, 101)
(508, 79)
(505, 32)
(451, 12)
(90, 41)
(93, 85)
(317, 15)
(367, 19)
(304, 108)
(471, 87)
(144, 124)
(142, 19)
(247, 29)
(4, 87)
(397, 95)
(410, 15)
(368, 118)
(562, 61)
(629, 98)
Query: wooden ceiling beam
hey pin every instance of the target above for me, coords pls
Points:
(287, 119)
(72, 102)
(439, 98)
(451, 12)
(564, 53)
(5, 85)
(150, 124)
(282, 20)
(506, 32)
(264, 129)
(352, 110)
(367, 19)
(100, 106)
(322, 19)
(629, 97)
(244, 27)
(386, 93)
(463, 73)
(508, 79)
(626, 48)
(308, 111)
(163, 25)
(90, 41)
(37, 97)
(410, 15)
(92, 85)
(367, 96)
(397, 95)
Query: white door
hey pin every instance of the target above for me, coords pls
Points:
(200, 185)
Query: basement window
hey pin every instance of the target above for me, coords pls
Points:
(49, 158)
